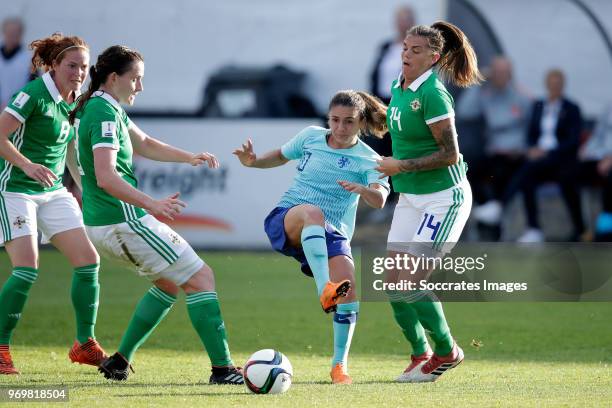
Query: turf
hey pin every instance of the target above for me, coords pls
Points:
(528, 354)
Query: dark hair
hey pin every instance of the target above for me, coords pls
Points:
(371, 109)
(51, 49)
(118, 59)
(458, 61)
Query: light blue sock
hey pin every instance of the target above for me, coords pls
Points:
(345, 319)
(315, 249)
(604, 223)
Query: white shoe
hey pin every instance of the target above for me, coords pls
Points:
(489, 213)
(432, 369)
(531, 235)
(416, 362)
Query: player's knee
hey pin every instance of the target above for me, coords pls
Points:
(22, 251)
(27, 260)
(167, 286)
(202, 281)
(313, 215)
(91, 257)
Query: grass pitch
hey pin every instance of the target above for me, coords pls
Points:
(530, 354)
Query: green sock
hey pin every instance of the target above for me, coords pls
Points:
(12, 299)
(408, 321)
(432, 318)
(205, 315)
(85, 294)
(150, 311)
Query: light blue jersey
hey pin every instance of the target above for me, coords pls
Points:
(319, 170)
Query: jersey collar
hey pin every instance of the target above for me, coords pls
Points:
(107, 97)
(53, 91)
(50, 84)
(419, 81)
(414, 86)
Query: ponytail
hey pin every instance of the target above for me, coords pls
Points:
(94, 84)
(458, 61)
(375, 114)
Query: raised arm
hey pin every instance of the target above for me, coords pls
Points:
(105, 163)
(447, 154)
(248, 158)
(154, 149)
(8, 125)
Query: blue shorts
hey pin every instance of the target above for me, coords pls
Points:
(274, 225)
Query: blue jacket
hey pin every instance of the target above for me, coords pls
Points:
(568, 129)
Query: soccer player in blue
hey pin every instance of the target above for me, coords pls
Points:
(314, 220)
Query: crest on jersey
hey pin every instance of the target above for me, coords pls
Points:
(21, 100)
(343, 162)
(415, 105)
(20, 221)
(109, 129)
(176, 240)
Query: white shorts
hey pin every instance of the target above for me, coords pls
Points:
(150, 247)
(430, 224)
(51, 213)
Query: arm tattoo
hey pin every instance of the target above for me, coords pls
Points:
(448, 152)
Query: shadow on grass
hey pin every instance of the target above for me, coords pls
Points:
(325, 382)
(190, 394)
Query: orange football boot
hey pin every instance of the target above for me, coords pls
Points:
(332, 292)
(339, 375)
(6, 362)
(89, 352)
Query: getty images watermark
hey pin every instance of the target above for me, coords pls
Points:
(491, 272)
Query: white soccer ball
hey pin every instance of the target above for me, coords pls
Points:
(268, 372)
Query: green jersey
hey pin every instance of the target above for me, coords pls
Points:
(102, 123)
(410, 111)
(42, 137)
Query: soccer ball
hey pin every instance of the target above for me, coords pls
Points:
(268, 372)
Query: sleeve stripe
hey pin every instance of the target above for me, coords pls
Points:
(112, 146)
(441, 117)
(15, 114)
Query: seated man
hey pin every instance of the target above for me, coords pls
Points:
(504, 109)
(553, 138)
(596, 168)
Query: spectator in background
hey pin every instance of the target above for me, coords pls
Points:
(387, 67)
(553, 139)
(14, 60)
(505, 112)
(388, 63)
(596, 168)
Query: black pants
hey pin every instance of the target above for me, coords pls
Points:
(490, 176)
(533, 173)
(588, 175)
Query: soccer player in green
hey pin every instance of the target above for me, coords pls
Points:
(120, 219)
(429, 173)
(36, 143)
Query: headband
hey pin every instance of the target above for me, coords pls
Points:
(67, 48)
